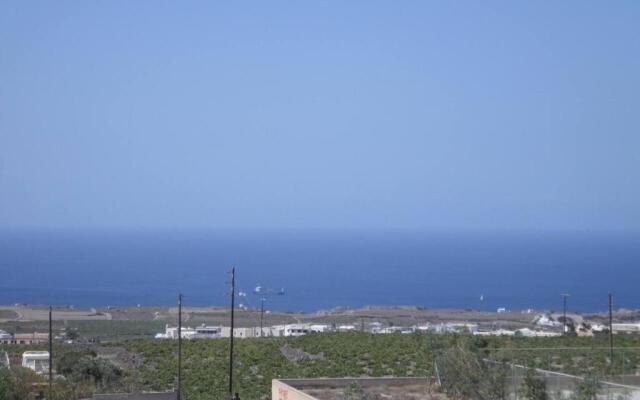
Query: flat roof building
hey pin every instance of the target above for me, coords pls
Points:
(136, 396)
(24, 338)
(338, 388)
(36, 360)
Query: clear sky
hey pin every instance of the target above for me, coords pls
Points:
(320, 114)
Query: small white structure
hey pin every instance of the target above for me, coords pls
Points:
(207, 332)
(319, 328)
(462, 327)
(346, 328)
(497, 332)
(295, 330)
(501, 310)
(626, 328)
(201, 332)
(36, 360)
(375, 327)
(545, 320)
(526, 332)
(5, 335)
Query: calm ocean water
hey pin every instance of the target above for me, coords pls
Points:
(322, 270)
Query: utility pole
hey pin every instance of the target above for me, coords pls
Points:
(50, 348)
(179, 345)
(611, 328)
(564, 312)
(261, 314)
(233, 295)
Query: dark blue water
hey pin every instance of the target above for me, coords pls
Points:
(322, 270)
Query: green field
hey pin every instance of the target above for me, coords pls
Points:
(148, 364)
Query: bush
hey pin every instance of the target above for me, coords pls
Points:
(534, 386)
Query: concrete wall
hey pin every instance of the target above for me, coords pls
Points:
(293, 389)
(283, 391)
(136, 396)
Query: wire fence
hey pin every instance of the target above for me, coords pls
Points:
(617, 364)
(564, 386)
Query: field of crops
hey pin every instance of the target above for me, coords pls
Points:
(355, 354)
(149, 364)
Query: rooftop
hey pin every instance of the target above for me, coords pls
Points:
(136, 396)
(339, 388)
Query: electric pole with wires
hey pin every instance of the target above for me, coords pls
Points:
(564, 312)
(50, 348)
(610, 328)
(179, 346)
(262, 300)
(263, 293)
(233, 296)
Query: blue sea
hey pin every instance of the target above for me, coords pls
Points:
(321, 270)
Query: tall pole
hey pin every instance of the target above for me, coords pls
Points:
(50, 347)
(179, 345)
(564, 313)
(233, 295)
(611, 328)
(261, 314)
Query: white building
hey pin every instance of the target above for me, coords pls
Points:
(545, 320)
(375, 327)
(319, 328)
(626, 328)
(463, 327)
(346, 328)
(201, 332)
(36, 360)
(293, 330)
(497, 332)
(526, 332)
(207, 332)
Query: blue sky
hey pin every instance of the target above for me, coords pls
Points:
(456, 115)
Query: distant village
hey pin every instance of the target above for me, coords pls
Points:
(545, 326)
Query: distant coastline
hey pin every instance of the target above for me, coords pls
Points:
(321, 271)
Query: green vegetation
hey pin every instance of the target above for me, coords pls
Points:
(148, 364)
(258, 361)
(588, 389)
(534, 386)
(466, 375)
(98, 329)
(570, 354)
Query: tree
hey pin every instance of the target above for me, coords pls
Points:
(7, 384)
(24, 380)
(466, 375)
(534, 386)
